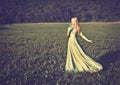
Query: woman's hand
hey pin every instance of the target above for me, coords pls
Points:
(90, 41)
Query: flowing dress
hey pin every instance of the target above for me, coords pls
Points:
(77, 60)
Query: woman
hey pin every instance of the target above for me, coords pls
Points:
(77, 60)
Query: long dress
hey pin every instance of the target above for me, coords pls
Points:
(77, 60)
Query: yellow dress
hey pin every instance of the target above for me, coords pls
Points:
(77, 60)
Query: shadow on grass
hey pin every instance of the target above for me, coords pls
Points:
(108, 58)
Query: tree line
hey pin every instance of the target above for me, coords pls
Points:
(21, 11)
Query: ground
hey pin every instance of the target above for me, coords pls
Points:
(35, 54)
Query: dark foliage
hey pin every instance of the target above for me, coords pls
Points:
(19, 11)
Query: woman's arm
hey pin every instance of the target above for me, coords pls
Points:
(85, 38)
(69, 31)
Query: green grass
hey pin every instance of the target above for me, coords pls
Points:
(35, 54)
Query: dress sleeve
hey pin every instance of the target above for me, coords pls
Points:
(68, 31)
(83, 36)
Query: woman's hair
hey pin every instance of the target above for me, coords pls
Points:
(76, 24)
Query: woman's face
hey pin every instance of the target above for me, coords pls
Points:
(73, 21)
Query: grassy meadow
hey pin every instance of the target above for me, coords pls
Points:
(35, 54)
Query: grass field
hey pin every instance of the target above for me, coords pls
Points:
(35, 54)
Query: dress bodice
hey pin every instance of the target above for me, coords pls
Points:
(73, 32)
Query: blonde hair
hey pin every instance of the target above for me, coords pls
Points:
(76, 24)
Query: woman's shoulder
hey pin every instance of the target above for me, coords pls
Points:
(70, 27)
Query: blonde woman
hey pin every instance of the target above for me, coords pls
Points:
(77, 60)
